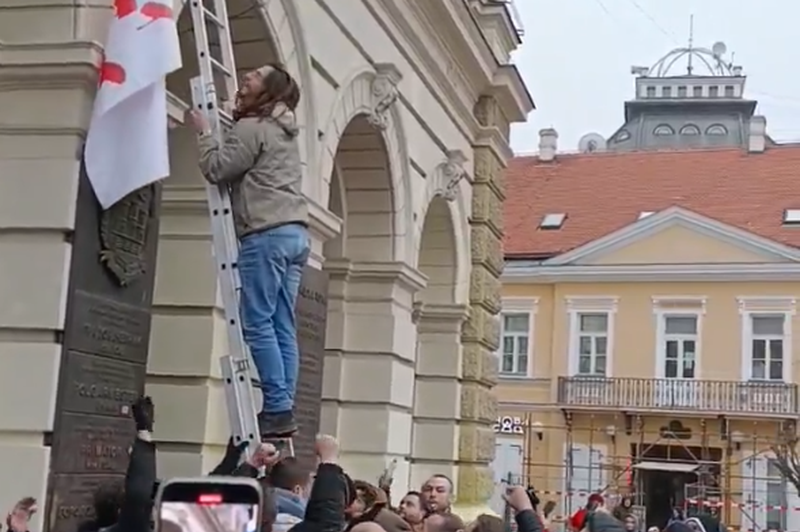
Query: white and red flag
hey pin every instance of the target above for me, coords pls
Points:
(126, 146)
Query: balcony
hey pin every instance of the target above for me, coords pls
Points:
(747, 399)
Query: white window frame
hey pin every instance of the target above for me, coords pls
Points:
(677, 306)
(518, 305)
(750, 306)
(577, 305)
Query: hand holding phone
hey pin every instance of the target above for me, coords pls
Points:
(517, 498)
(209, 504)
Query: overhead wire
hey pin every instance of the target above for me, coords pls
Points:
(655, 23)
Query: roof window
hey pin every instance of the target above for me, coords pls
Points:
(791, 217)
(552, 221)
(663, 130)
(645, 214)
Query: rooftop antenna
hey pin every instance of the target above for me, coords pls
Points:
(689, 66)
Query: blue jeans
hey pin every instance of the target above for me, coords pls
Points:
(270, 266)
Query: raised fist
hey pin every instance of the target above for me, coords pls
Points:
(327, 448)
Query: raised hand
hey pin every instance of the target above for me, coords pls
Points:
(517, 498)
(386, 478)
(18, 520)
(265, 456)
(144, 414)
(327, 449)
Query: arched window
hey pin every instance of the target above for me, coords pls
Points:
(663, 130)
(716, 129)
(690, 129)
(622, 136)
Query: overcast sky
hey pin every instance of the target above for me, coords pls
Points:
(577, 54)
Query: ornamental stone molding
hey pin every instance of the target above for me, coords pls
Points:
(384, 94)
(450, 173)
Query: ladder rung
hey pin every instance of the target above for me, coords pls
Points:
(220, 67)
(213, 18)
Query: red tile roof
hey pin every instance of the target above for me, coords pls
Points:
(603, 192)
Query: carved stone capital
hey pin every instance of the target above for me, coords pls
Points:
(384, 94)
(451, 172)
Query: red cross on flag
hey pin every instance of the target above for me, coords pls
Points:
(126, 146)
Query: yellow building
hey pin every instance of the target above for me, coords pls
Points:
(649, 334)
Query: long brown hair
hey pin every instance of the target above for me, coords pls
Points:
(277, 87)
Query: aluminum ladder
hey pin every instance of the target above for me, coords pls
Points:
(218, 77)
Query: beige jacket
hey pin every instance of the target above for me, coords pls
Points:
(260, 159)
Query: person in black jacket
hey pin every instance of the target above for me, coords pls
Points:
(128, 509)
(330, 494)
(526, 517)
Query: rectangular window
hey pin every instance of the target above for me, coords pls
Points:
(592, 343)
(729, 91)
(697, 91)
(713, 91)
(680, 346)
(651, 92)
(666, 92)
(682, 91)
(766, 350)
(514, 358)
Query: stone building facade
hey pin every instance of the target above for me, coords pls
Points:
(405, 136)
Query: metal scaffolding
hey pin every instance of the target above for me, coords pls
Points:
(733, 475)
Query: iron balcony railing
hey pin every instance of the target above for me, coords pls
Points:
(720, 397)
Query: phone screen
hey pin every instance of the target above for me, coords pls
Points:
(229, 506)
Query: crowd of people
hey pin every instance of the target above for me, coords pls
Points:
(596, 516)
(328, 500)
(295, 499)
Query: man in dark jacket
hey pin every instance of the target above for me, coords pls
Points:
(135, 500)
(330, 494)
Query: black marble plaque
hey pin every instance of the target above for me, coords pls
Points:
(311, 313)
(102, 326)
(105, 345)
(97, 385)
(71, 502)
(93, 445)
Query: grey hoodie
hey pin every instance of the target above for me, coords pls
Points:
(260, 159)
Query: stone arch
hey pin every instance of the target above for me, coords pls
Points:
(275, 24)
(364, 117)
(440, 309)
(443, 193)
(438, 254)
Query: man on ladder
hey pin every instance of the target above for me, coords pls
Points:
(259, 219)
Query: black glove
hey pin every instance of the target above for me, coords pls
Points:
(144, 414)
(229, 463)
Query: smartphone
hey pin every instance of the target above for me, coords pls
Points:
(549, 506)
(209, 504)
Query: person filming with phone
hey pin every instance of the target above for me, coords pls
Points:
(522, 504)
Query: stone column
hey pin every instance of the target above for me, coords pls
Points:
(437, 391)
(368, 381)
(481, 333)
